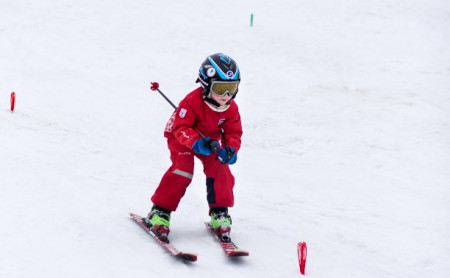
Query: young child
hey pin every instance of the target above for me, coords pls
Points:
(206, 125)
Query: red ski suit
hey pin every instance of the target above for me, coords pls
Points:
(193, 115)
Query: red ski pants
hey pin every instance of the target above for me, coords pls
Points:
(173, 185)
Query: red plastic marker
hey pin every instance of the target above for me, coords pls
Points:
(301, 253)
(13, 101)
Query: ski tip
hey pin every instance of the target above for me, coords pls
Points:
(238, 254)
(191, 257)
(231, 250)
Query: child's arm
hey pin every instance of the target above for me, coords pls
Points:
(182, 124)
(233, 131)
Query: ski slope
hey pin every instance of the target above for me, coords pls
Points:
(346, 116)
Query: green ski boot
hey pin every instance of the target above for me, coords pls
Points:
(221, 223)
(158, 221)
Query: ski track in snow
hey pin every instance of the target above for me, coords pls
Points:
(346, 117)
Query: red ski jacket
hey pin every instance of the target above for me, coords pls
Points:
(193, 115)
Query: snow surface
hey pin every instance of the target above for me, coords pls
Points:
(346, 114)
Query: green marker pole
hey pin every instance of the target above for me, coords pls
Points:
(251, 20)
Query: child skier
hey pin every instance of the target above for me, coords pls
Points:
(206, 125)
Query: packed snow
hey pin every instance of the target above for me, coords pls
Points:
(346, 116)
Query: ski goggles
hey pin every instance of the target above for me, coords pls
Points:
(221, 88)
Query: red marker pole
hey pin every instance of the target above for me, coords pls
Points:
(13, 101)
(301, 253)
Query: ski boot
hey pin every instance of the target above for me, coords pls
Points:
(221, 223)
(158, 221)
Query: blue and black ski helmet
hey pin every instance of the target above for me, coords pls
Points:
(217, 67)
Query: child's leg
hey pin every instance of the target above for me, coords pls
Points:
(176, 179)
(219, 182)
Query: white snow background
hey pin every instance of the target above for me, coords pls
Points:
(346, 115)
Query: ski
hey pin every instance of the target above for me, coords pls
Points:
(187, 256)
(230, 249)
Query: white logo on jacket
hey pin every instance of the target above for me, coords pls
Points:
(182, 113)
(184, 134)
(169, 124)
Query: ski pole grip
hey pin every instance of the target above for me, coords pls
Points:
(154, 86)
(213, 147)
(229, 153)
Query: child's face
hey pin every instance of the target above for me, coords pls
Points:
(222, 100)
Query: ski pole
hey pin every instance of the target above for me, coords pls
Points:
(229, 153)
(155, 87)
